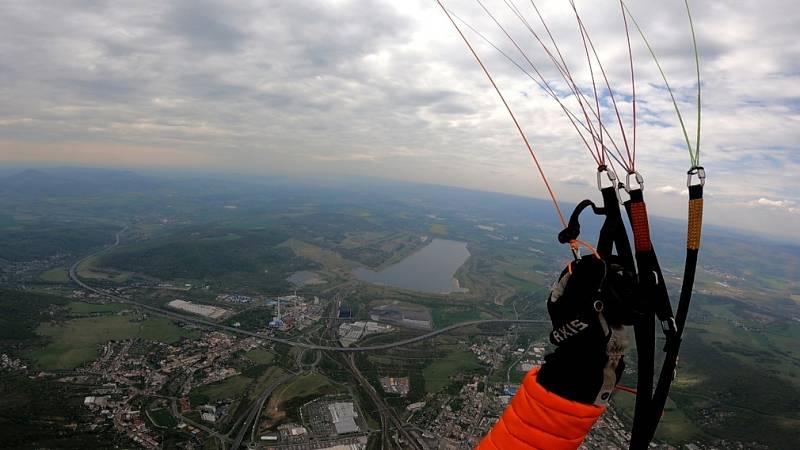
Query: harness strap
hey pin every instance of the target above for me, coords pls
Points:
(652, 292)
(644, 335)
(667, 374)
(613, 234)
(573, 229)
(650, 276)
(654, 299)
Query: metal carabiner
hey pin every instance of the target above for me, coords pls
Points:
(622, 187)
(612, 176)
(701, 175)
(639, 179)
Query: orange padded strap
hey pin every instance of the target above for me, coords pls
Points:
(695, 224)
(641, 227)
(537, 419)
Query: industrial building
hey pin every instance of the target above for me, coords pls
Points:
(412, 319)
(344, 416)
(213, 312)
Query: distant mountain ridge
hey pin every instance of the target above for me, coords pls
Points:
(60, 182)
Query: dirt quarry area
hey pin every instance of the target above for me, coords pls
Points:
(212, 312)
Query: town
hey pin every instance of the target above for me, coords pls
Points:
(150, 392)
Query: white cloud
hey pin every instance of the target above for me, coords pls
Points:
(576, 180)
(387, 88)
(671, 190)
(785, 205)
(772, 203)
(346, 157)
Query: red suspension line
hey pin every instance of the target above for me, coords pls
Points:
(568, 77)
(545, 86)
(511, 113)
(574, 120)
(605, 77)
(564, 71)
(594, 89)
(595, 154)
(633, 82)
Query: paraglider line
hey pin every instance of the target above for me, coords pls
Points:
(608, 84)
(510, 112)
(633, 83)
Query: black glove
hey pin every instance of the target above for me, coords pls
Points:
(588, 305)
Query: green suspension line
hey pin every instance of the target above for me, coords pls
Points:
(694, 153)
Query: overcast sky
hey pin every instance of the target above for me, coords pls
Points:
(388, 89)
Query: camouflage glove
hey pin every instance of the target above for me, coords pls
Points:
(588, 305)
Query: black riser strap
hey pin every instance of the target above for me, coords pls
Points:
(654, 300)
(613, 234)
(644, 332)
(673, 345)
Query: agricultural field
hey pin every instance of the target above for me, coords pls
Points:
(260, 356)
(92, 270)
(84, 309)
(310, 384)
(249, 385)
(75, 341)
(737, 377)
(739, 374)
(674, 427)
(329, 260)
(742, 332)
(55, 275)
(437, 374)
(438, 229)
(269, 376)
(229, 388)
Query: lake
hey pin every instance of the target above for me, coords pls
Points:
(429, 270)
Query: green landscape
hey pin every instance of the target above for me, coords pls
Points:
(738, 378)
(399, 225)
(75, 341)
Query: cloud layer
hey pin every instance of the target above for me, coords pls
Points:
(388, 89)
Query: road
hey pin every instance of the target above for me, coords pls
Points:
(176, 413)
(388, 416)
(251, 422)
(73, 275)
(524, 354)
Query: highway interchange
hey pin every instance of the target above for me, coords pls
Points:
(248, 420)
(73, 275)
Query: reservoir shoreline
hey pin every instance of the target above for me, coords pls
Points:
(430, 270)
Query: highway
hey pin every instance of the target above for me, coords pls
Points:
(250, 419)
(251, 423)
(73, 275)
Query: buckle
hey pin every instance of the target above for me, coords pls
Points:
(639, 179)
(612, 177)
(701, 176)
(669, 326)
